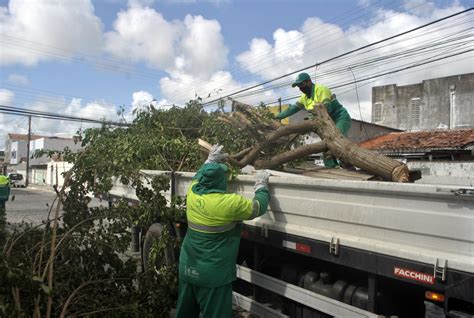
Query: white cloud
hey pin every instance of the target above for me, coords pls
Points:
(38, 30)
(142, 99)
(182, 87)
(49, 127)
(139, 3)
(201, 46)
(97, 110)
(17, 79)
(191, 51)
(187, 2)
(364, 3)
(277, 53)
(143, 35)
(194, 45)
(6, 97)
(317, 41)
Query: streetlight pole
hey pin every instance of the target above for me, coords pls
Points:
(28, 153)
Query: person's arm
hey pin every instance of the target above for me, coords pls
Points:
(215, 155)
(262, 195)
(246, 209)
(260, 203)
(292, 109)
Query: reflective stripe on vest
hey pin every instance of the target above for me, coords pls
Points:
(255, 209)
(211, 229)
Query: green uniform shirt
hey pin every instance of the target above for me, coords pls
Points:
(322, 94)
(208, 257)
(4, 181)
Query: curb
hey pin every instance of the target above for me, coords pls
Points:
(40, 188)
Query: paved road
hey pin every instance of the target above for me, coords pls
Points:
(31, 204)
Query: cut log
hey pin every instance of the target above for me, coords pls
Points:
(288, 156)
(267, 133)
(341, 147)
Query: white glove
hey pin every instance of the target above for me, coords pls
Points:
(261, 179)
(215, 155)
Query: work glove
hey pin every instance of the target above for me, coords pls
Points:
(215, 155)
(261, 179)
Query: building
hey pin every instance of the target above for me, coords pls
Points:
(39, 166)
(15, 147)
(442, 156)
(440, 103)
(55, 171)
(16, 152)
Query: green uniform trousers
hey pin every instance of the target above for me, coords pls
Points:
(211, 302)
(343, 125)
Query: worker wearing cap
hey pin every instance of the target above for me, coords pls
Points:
(319, 94)
(207, 264)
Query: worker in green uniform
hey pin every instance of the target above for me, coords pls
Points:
(319, 94)
(207, 264)
(4, 194)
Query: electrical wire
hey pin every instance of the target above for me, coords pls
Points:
(397, 56)
(34, 113)
(342, 55)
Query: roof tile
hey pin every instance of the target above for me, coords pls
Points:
(432, 139)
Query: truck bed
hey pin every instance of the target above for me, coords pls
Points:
(419, 222)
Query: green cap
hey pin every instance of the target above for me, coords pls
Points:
(300, 79)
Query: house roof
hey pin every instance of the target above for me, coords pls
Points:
(376, 125)
(16, 137)
(416, 140)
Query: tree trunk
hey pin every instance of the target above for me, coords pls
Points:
(341, 147)
(273, 137)
(267, 132)
(288, 156)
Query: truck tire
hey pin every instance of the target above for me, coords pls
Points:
(153, 234)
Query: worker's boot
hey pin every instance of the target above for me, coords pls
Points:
(346, 165)
(329, 160)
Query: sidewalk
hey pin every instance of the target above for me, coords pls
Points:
(40, 187)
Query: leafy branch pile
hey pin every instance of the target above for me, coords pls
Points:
(76, 262)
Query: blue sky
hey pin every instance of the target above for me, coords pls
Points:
(85, 58)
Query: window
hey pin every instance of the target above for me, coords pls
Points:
(377, 112)
(415, 111)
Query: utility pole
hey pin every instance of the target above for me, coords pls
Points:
(28, 153)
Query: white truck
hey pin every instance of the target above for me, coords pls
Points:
(350, 248)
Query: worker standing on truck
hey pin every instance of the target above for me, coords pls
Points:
(207, 264)
(319, 94)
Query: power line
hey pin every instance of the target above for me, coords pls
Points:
(386, 73)
(329, 40)
(426, 48)
(414, 71)
(25, 112)
(324, 37)
(341, 55)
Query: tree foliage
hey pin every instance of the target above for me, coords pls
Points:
(92, 274)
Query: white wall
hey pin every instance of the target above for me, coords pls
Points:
(37, 176)
(51, 143)
(445, 172)
(59, 167)
(37, 144)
